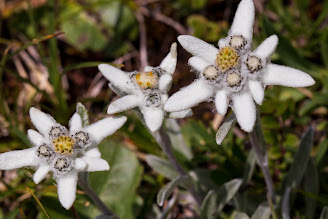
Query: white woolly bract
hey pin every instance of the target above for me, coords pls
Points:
(153, 117)
(75, 123)
(66, 188)
(189, 96)
(96, 164)
(198, 47)
(170, 61)
(198, 63)
(181, 114)
(117, 77)
(105, 127)
(267, 47)
(42, 121)
(165, 82)
(35, 137)
(221, 102)
(41, 173)
(286, 76)
(256, 90)
(244, 19)
(124, 103)
(17, 159)
(244, 108)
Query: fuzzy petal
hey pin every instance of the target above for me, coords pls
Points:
(96, 164)
(153, 117)
(170, 61)
(117, 77)
(189, 96)
(198, 63)
(244, 20)
(93, 152)
(221, 102)
(80, 164)
(75, 123)
(122, 104)
(267, 47)
(286, 76)
(105, 127)
(257, 91)
(199, 48)
(40, 174)
(244, 108)
(42, 121)
(35, 137)
(17, 159)
(165, 82)
(181, 114)
(67, 189)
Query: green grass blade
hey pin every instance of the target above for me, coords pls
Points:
(37, 200)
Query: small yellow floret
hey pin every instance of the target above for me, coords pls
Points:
(146, 80)
(227, 58)
(64, 144)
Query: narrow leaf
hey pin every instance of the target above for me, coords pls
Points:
(37, 201)
(311, 185)
(262, 212)
(241, 215)
(208, 208)
(161, 166)
(227, 191)
(167, 190)
(225, 128)
(324, 213)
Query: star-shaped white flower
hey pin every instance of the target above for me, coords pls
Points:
(61, 151)
(146, 90)
(233, 75)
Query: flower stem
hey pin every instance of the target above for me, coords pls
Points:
(258, 145)
(164, 142)
(94, 197)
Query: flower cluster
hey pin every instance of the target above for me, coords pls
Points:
(146, 90)
(232, 74)
(62, 152)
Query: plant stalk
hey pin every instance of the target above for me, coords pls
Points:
(164, 142)
(262, 161)
(94, 197)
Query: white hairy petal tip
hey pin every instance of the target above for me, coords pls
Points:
(17, 159)
(165, 82)
(117, 77)
(35, 137)
(122, 104)
(198, 47)
(170, 61)
(96, 164)
(153, 117)
(42, 121)
(75, 123)
(286, 76)
(189, 96)
(67, 189)
(221, 102)
(105, 127)
(198, 64)
(93, 152)
(80, 164)
(245, 110)
(267, 47)
(244, 19)
(40, 174)
(257, 91)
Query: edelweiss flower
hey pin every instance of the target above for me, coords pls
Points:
(63, 152)
(146, 90)
(233, 75)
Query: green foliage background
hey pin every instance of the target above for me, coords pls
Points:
(97, 31)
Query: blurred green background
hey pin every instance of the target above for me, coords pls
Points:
(49, 53)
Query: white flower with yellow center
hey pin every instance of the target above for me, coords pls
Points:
(62, 152)
(146, 90)
(232, 74)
